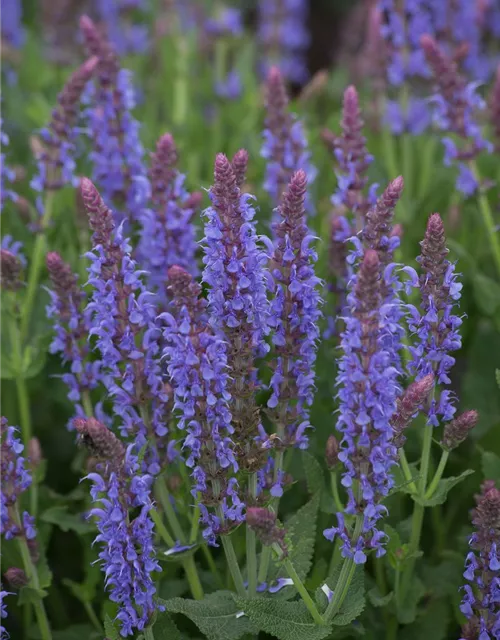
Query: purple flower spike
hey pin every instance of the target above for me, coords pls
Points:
(118, 17)
(456, 106)
(285, 146)
(294, 318)
(284, 36)
(71, 327)
(16, 478)
(368, 390)
(123, 319)
(482, 568)
(3, 613)
(56, 151)
(197, 367)
(118, 154)
(408, 405)
(435, 327)
(235, 274)
(7, 175)
(495, 108)
(127, 553)
(168, 234)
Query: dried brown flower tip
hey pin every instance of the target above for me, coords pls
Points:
(456, 431)
(99, 440)
(332, 452)
(263, 522)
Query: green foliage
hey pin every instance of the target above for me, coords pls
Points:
(165, 628)
(78, 632)
(315, 477)
(61, 516)
(283, 620)
(490, 464)
(110, 629)
(441, 493)
(216, 615)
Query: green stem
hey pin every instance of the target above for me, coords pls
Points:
(148, 633)
(22, 393)
(195, 525)
(211, 564)
(345, 577)
(488, 219)
(31, 572)
(424, 463)
(36, 267)
(407, 471)
(193, 578)
(438, 475)
(252, 544)
(426, 166)
(233, 565)
(335, 491)
(397, 582)
(299, 585)
(87, 404)
(92, 616)
(161, 528)
(172, 519)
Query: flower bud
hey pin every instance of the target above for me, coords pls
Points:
(16, 578)
(408, 405)
(263, 522)
(332, 452)
(10, 270)
(101, 442)
(456, 431)
(34, 452)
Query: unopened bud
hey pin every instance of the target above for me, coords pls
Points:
(457, 430)
(174, 483)
(408, 405)
(10, 270)
(34, 452)
(263, 522)
(332, 452)
(23, 208)
(33, 549)
(16, 578)
(397, 231)
(99, 440)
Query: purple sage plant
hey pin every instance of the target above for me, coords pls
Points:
(482, 569)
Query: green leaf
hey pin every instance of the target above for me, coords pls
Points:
(432, 622)
(44, 572)
(354, 601)
(165, 628)
(315, 478)
(76, 632)
(29, 595)
(80, 591)
(67, 521)
(490, 464)
(215, 615)
(283, 620)
(441, 492)
(377, 599)
(111, 631)
(497, 377)
(407, 612)
(301, 536)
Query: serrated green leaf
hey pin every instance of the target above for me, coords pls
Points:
(80, 591)
(301, 535)
(497, 377)
(30, 595)
(110, 629)
(44, 572)
(490, 464)
(215, 615)
(407, 611)
(354, 601)
(67, 521)
(377, 599)
(442, 579)
(315, 477)
(486, 293)
(165, 628)
(283, 620)
(442, 490)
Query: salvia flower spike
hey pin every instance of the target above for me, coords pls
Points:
(196, 363)
(235, 274)
(294, 317)
(482, 568)
(284, 147)
(368, 389)
(168, 235)
(435, 326)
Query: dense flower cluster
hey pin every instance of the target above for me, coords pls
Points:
(285, 147)
(455, 107)
(126, 35)
(127, 555)
(123, 319)
(71, 327)
(235, 274)
(283, 32)
(168, 235)
(294, 317)
(117, 152)
(16, 478)
(482, 569)
(368, 391)
(197, 367)
(56, 155)
(435, 326)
